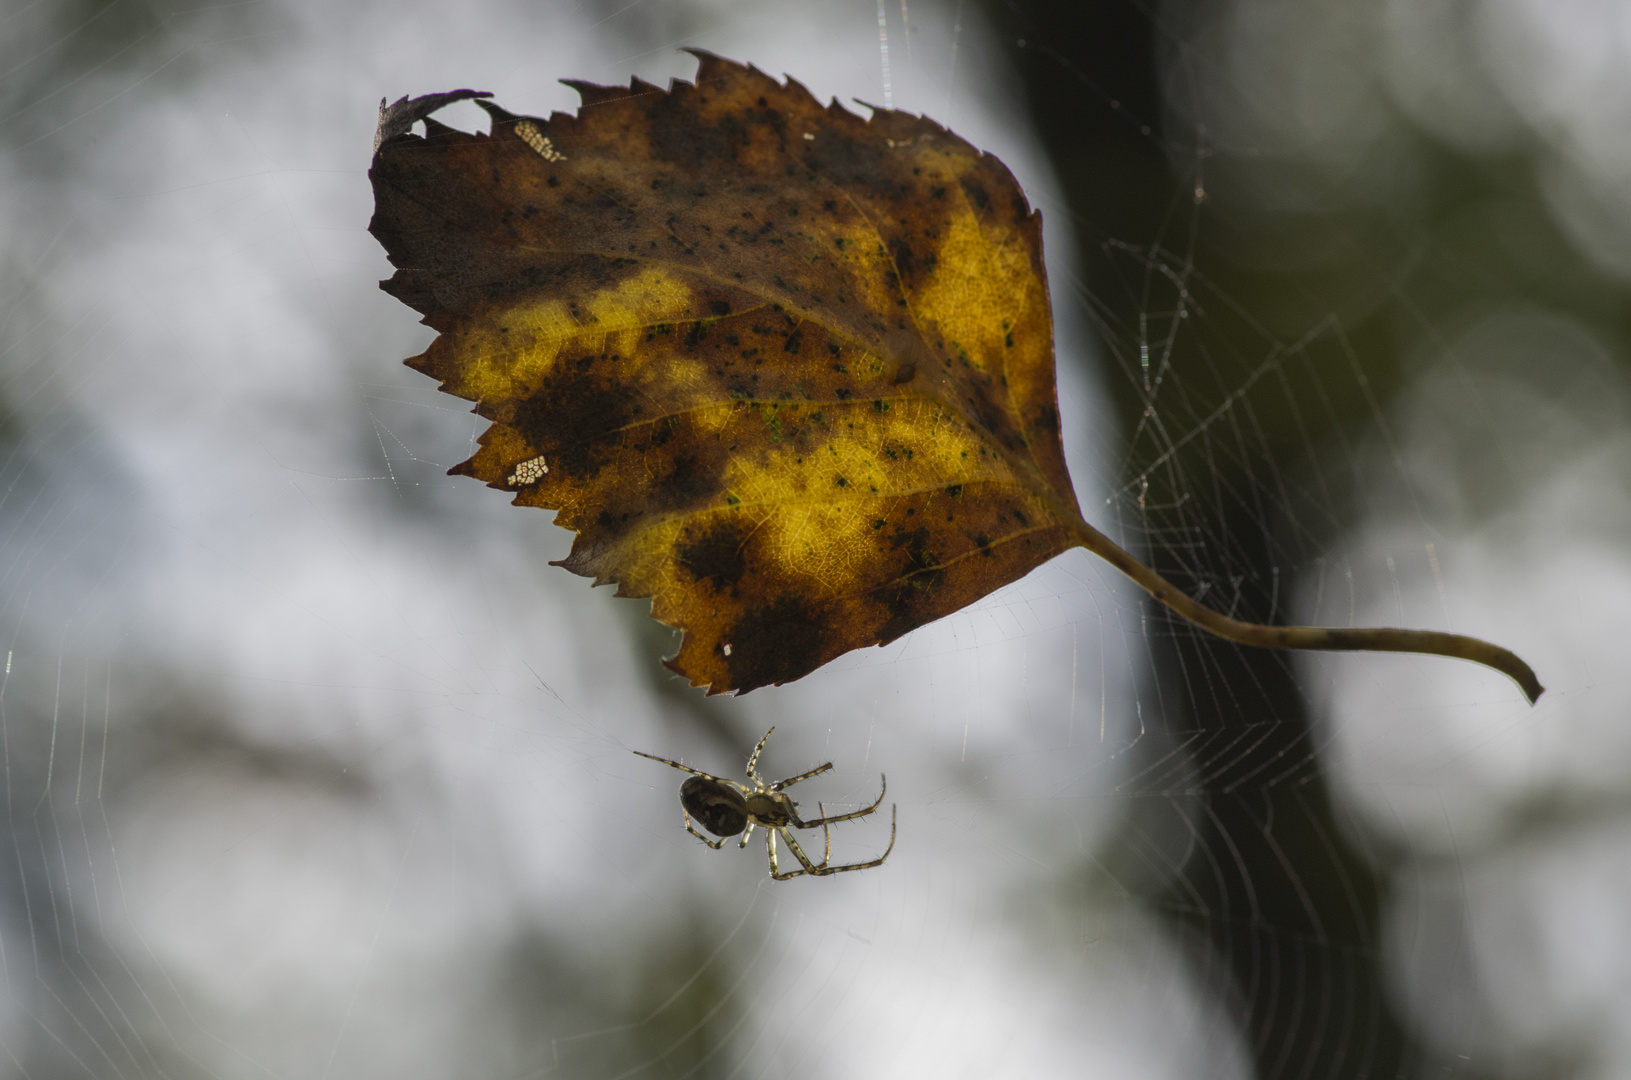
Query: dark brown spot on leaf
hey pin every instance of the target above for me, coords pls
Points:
(775, 642)
(716, 557)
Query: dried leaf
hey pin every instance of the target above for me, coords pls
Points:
(787, 371)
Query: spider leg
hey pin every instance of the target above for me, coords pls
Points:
(791, 780)
(798, 853)
(746, 833)
(687, 768)
(775, 871)
(823, 870)
(826, 835)
(753, 761)
(824, 820)
(715, 844)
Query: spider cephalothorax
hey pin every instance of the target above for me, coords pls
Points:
(725, 808)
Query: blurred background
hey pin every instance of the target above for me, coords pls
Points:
(313, 767)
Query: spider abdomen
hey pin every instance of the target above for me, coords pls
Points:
(719, 808)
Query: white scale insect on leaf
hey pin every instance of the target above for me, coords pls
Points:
(538, 140)
(528, 472)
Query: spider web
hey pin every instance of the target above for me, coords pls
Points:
(314, 767)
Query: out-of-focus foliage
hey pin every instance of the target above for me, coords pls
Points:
(312, 766)
(1368, 260)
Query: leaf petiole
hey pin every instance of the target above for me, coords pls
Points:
(1378, 639)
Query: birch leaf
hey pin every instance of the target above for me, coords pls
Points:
(785, 370)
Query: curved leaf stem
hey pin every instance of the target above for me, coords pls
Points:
(1381, 639)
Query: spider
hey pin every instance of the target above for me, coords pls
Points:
(726, 808)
